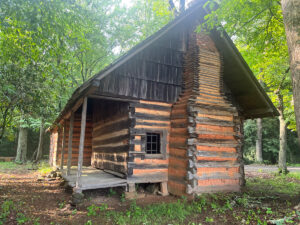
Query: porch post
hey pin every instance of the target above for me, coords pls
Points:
(70, 144)
(63, 146)
(57, 144)
(81, 145)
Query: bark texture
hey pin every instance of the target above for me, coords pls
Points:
(282, 146)
(41, 141)
(22, 145)
(259, 125)
(291, 19)
(282, 137)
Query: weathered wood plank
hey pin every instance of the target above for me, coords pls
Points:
(82, 134)
(70, 139)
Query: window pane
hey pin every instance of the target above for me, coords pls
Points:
(153, 143)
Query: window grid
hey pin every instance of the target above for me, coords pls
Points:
(153, 143)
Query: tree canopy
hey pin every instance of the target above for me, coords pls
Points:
(48, 48)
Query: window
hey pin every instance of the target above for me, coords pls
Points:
(153, 143)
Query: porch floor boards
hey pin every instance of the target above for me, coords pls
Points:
(92, 178)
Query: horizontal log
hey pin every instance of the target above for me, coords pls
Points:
(215, 137)
(213, 189)
(123, 137)
(102, 124)
(111, 162)
(145, 116)
(208, 121)
(176, 145)
(152, 112)
(218, 182)
(178, 179)
(151, 161)
(214, 148)
(148, 178)
(192, 130)
(176, 162)
(176, 188)
(123, 124)
(110, 135)
(156, 103)
(146, 166)
(151, 106)
(178, 173)
(151, 127)
(143, 130)
(153, 121)
(151, 124)
(213, 142)
(216, 154)
(210, 127)
(203, 163)
(123, 148)
(213, 111)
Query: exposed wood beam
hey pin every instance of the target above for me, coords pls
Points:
(56, 148)
(81, 146)
(70, 143)
(74, 108)
(63, 145)
(113, 98)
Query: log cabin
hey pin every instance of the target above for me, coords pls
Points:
(169, 111)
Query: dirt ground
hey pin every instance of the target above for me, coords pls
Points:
(47, 201)
(268, 168)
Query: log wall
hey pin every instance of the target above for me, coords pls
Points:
(87, 152)
(110, 135)
(205, 142)
(148, 116)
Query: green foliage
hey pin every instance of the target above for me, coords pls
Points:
(93, 210)
(49, 48)
(44, 168)
(6, 208)
(21, 218)
(111, 192)
(270, 142)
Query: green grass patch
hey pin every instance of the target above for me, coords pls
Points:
(6, 166)
(276, 185)
(293, 164)
(162, 213)
(294, 175)
(44, 168)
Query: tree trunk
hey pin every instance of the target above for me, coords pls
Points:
(282, 136)
(41, 141)
(182, 6)
(291, 19)
(282, 145)
(22, 145)
(259, 157)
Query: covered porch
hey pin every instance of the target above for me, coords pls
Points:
(86, 144)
